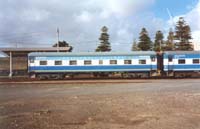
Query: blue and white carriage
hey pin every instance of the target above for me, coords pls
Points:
(182, 63)
(59, 65)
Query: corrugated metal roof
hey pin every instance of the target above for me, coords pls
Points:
(18, 52)
(33, 49)
(92, 53)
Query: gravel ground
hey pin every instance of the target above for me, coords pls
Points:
(135, 104)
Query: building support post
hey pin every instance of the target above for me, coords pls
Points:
(11, 72)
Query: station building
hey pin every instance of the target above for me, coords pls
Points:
(15, 61)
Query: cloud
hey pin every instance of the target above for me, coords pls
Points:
(85, 16)
(30, 22)
(193, 18)
(196, 39)
(126, 7)
(36, 15)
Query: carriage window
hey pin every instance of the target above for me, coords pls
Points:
(142, 61)
(195, 61)
(72, 62)
(31, 60)
(181, 61)
(127, 61)
(170, 58)
(58, 62)
(113, 61)
(87, 62)
(100, 62)
(153, 58)
(43, 62)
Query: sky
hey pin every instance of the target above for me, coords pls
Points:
(34, 23)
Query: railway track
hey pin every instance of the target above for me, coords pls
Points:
(18, 80)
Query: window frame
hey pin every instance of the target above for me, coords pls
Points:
(129, 62)
(153, 58)
(43, 62)
(32, 61)
(100, 62)
(75, 62)
(111, 62)
(56, 61)
(140, 61)
(197, 61)
(170, 58)
(87, 62)
(179, 61)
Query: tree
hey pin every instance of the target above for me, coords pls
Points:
(183, 35)
(170, 41)
(104, 41)
(134, 46)
(158, 44)
(144, 41)
(63, 44)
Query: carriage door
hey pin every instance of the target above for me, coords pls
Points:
(160, 65)
(170, 63)
(30, 63)
(153, 62)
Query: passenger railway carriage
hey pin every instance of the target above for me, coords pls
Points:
(128, 65)
(182, 63)
(60, 65)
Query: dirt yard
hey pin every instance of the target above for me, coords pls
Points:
(145, 104)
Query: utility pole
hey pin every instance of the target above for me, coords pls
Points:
(58, 39)
(11, 67)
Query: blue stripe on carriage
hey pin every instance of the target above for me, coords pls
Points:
(182, 67)
(95, 68)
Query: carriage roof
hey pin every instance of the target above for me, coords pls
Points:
(181, 52)
(136, 53)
